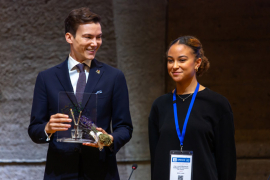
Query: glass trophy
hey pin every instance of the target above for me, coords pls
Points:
(83, 116)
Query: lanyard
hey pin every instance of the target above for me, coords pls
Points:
(181, 136)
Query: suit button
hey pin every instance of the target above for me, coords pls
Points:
(76, 149)
(40, 139)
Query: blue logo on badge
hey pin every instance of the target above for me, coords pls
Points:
(183, 160)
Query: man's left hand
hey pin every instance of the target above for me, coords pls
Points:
(95, 144)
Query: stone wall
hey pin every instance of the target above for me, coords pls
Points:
(235, 35)
(32, 40)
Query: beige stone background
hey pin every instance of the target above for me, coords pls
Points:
(235, 35)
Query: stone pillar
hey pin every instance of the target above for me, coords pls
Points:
(140, 38)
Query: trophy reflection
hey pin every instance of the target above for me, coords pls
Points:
(76, 133)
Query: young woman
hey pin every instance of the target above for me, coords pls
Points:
(209, 131)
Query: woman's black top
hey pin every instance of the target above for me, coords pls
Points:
(209, 134)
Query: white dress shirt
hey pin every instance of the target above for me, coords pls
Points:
(74, 71)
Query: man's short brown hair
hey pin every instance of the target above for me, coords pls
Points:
(79, 16)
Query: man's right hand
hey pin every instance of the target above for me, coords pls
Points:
(58, 122)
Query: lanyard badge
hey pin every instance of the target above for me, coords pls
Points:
(181, 165)
(181, 161)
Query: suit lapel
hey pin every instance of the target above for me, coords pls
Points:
(95, 74)
(64, 79)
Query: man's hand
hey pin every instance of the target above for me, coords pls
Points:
(57, 123)
(95, 144)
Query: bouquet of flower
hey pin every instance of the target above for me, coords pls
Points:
(90, 132)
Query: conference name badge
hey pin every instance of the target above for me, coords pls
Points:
(181, 165)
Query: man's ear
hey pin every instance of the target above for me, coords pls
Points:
(69, 38)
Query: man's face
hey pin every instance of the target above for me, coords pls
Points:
(86, 43)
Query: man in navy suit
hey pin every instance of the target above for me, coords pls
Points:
(75, 160)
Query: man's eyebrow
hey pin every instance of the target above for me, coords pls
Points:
(92, 34)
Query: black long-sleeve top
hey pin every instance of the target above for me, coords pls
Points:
(209, 134)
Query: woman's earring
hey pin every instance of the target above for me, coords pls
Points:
(196, 69)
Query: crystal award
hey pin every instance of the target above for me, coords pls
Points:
(83, 115)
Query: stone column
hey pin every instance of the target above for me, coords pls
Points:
(140, 39)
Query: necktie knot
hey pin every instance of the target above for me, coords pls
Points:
(80, 67)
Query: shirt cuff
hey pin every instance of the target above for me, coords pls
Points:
(48, 136)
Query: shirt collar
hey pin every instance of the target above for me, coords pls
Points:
(72, 63)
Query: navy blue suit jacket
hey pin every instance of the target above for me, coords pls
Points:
(68, 160)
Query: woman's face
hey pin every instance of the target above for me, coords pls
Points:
(181, 62)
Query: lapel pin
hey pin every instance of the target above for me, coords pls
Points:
(98, 71)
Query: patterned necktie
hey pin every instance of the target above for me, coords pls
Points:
(80, 84)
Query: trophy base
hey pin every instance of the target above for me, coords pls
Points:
(73, 140)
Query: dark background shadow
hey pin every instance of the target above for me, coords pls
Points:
(235, 35)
